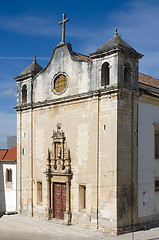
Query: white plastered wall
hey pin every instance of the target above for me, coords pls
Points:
(148, 166)
(2, 195)
(10, 193)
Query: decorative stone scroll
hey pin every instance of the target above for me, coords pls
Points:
(59, 157)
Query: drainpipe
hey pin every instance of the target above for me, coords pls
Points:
(98, 105)
(20, 167)
(31, 142)
(132, 159)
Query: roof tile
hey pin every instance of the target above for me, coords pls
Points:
(82, 57)
(9, 155)
(147, 80)
(3, 153)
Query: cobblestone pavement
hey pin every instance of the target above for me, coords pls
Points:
(18, 227)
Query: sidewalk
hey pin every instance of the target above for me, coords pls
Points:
(18, 227)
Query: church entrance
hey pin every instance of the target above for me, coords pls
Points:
(59, 200)
(58, 176)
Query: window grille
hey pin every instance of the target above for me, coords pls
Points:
(60, 83)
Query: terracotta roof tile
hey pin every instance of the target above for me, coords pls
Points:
(11, 154)
(82, 57)
(3, 153)
(147, 80)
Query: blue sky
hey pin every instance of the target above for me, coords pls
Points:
(29, 28)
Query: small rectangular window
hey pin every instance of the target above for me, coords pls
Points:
(39, 192)
(82, 197)
(9, 178)
(157, 144)
(156, 184)
(9, 175)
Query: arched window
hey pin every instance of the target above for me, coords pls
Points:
(105, 74)
(24, 94)
(127, 75)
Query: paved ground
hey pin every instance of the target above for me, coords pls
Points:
(17, 227)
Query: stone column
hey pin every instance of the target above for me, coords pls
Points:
(67, 214)
(48, 209)
(48, 185)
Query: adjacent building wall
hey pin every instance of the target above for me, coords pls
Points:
(7, 195)
(148, 166)
(2, 191)
(10, 193)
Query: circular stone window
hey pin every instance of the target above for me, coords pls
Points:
(60, 83)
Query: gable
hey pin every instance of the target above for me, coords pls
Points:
(75, 67)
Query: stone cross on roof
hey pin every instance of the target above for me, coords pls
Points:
(64, 20)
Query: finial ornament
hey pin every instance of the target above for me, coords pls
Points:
(116, 32)
(63, 22)
(34, 59)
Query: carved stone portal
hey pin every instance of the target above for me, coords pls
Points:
(58, 170)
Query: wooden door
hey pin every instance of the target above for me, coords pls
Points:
(59, 200)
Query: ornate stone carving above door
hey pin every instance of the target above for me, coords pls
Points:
(60, 153)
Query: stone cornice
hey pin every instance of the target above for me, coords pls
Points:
(23, 77)
(146, 87)
(91, 94)
(149, 99)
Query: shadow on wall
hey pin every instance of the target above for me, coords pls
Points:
(2, 192)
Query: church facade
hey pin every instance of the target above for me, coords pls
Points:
(87, 139)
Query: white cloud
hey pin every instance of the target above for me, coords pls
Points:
(29, 25)
(138, 25)
(23, 58)
(10, 92)
(7, 87)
